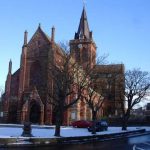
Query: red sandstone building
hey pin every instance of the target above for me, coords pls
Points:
(26, 89)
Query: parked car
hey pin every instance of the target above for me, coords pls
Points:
(99, 126)
(81, 124)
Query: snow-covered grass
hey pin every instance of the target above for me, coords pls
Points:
(48, 132)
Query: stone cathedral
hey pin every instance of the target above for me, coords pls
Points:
(26, 89)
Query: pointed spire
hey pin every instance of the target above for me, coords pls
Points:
(10, 66)
(83, 29)
(25, 38)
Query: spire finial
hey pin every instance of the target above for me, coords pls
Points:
(84, 3)
(25, 38)
(39, 25)
(10, 66)
(53, 34)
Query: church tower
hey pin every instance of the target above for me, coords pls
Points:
(83, 48)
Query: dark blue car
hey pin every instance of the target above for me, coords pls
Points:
(99, 126)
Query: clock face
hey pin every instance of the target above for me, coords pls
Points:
(80, 46)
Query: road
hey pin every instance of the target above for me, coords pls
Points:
(132, 143)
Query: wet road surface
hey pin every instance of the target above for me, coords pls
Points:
(132, 143)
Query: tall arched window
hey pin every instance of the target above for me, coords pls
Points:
(85, 56)
(77, 55)
(36, 74)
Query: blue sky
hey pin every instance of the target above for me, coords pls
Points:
(121, 28)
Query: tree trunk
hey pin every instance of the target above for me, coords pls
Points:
(125, 122)
(124, 125)
(57, 130)
(94, 122)
(59, 120)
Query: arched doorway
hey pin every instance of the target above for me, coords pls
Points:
(12, 114)
(35, 113)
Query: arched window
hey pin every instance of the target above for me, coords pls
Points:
(77, 55)
(85, 56)
(36, 74)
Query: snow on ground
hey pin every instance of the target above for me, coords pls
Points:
(42, 132)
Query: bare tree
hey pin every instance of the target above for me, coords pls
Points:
(95, 101)
(93, 93)
(68, 81)
(137, 86)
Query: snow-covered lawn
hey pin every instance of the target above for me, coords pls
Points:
(8, 132)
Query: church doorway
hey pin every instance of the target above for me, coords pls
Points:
(12, 114)
(35, 113)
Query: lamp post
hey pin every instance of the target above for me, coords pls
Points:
(27, 124)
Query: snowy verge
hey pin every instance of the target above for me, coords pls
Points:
(42, 132)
